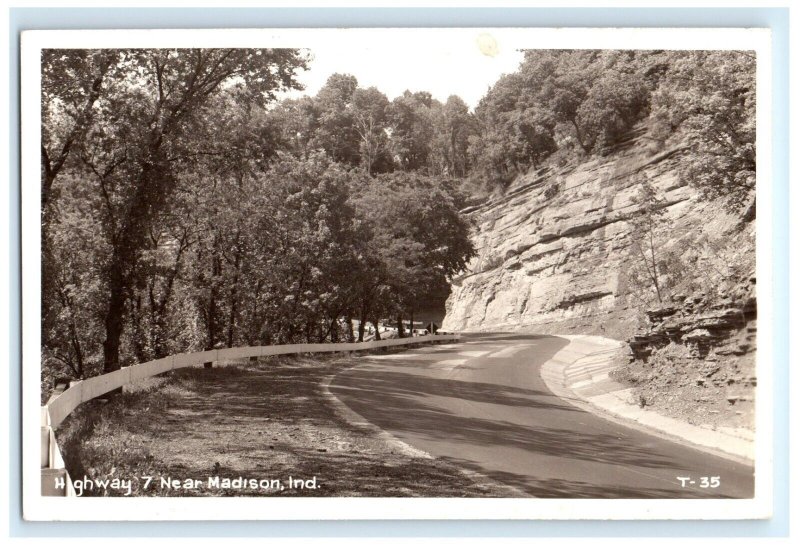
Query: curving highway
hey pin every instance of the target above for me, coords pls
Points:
(481, 404)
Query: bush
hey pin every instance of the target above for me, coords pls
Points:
(614, 104)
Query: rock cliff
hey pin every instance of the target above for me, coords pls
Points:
(553, 250)
(554, 255)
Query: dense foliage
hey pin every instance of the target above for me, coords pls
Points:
(579, 101)
(711, 97)
(570, 104)
(185, 208)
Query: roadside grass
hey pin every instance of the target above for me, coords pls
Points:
(265, 420)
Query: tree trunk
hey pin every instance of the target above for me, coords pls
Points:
(128, 244)
(362, 324)
(333, 331)
(234, 300)
(579, 136)
(377, 331)
(362, 320)
(400, 330)
(211, 320)
(48, 176)
(114, 323)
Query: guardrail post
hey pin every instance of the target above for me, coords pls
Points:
(45, 437)
(54, 482)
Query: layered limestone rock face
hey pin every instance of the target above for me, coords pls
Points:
(701, 326)
(551, 250)
(695, 359)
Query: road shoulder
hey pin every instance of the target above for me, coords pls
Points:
(578, 373)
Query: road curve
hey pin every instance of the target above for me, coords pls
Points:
(482, 404)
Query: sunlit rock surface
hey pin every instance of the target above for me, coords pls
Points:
(550, 250)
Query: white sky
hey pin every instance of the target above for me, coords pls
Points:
(416, 61)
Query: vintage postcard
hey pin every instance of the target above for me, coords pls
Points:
(396, 274)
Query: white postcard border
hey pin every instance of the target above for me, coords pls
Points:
(36, 507)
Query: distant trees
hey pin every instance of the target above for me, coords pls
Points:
(360, 127)
(370, 116)
(412, 126)
(335, 130)
(453, 125)
(348, 123)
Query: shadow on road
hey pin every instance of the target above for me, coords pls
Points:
(394, 401)
(493, 414)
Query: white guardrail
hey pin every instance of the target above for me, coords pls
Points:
(55, 479)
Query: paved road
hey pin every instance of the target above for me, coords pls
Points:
(482, 405)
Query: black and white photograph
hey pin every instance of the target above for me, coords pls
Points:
(467, 266)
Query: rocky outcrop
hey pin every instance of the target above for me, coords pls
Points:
(699, 325)
(695, 360)
(551, 250)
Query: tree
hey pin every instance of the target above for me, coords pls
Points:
(336, 132)
(411, 118)
(565, 80)
(579, 102)
(417, 234)
(72, 328)
(296, 121)
(369, 108)
(516, 127)
(161, 269)
(711, 97)
(454, 126)
(144, 130)
(647, 257)
(309, 239)
(615, 102)
(72, 83)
